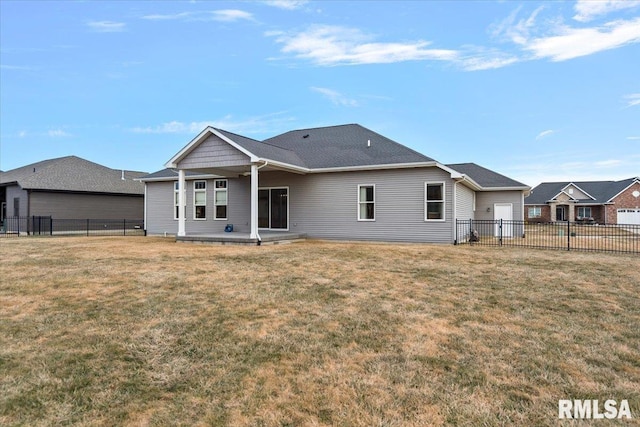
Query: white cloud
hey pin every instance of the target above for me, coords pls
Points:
(633, 138)
(483, 59)
(106, 26)
(569, 43)
(516, 31)
(336, 97)
(632, 99)
(57, 133)
(268, 123)
(544, 134)
(286, 4)
(586, 10)
(15, 67)
(328, 45)
(224, 15)
(608, 163)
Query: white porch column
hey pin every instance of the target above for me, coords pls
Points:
(181, 203)
(254, 201)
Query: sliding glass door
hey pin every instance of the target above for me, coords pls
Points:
(273, 208)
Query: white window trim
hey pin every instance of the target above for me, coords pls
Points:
(194, 199)
(535, 208)
(360, 202)
(444, 201)
(215, 205)
(175, 193)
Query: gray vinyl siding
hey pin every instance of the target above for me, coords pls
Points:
(83, 206)
(464, 202)
(486, 199)
(214, 152)
(326, 205)
(14, 191)
(160, 207)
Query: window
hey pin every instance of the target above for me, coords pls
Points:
(200, 200)
(366, 203)
(176, 200)
(220, 199)
(535, 212)
(584, 212)
(434, 201)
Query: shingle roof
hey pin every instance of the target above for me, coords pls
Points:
(485, 177)
(343, 146)
(72, 173)
(601, 191)
(265, 149)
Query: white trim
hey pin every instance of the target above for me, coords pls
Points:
(288, 205)
(175, 178)
(254, 202)
(194, 199)
(636, 180)
(144, 225)
(366, 201)
(175, 191)
(215, 199)
(443, 201)
(562, 190)
(177, 158)
(182, 203)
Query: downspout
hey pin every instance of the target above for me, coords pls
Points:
(28, 211)
(145, 209)
(455, 203)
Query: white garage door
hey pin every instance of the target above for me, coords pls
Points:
(628, 216)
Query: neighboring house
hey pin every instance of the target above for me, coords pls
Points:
(599, 202)
(71, 188)
(339, 182)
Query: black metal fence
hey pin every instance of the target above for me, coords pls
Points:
(49, 226)
(569, 236)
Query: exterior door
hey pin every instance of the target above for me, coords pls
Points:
(273, 208)
(561, 213)
(504, 212)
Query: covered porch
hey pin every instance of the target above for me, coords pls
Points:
(261, 213)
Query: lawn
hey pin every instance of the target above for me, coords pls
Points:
(144, 331)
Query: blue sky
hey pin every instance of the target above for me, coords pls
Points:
(538, 91)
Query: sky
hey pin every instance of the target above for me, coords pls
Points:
(537, 91)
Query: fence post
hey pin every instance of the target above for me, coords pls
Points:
(87, 227)
(124, 227)
(51, 226)
(568, 235)
(500, 231)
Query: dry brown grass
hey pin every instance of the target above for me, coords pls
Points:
(144, 331)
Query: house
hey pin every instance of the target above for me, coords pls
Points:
(338, 182)
(71, 188)
(601, 202)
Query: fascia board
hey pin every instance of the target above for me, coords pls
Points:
(170, 178)
(373, 167)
